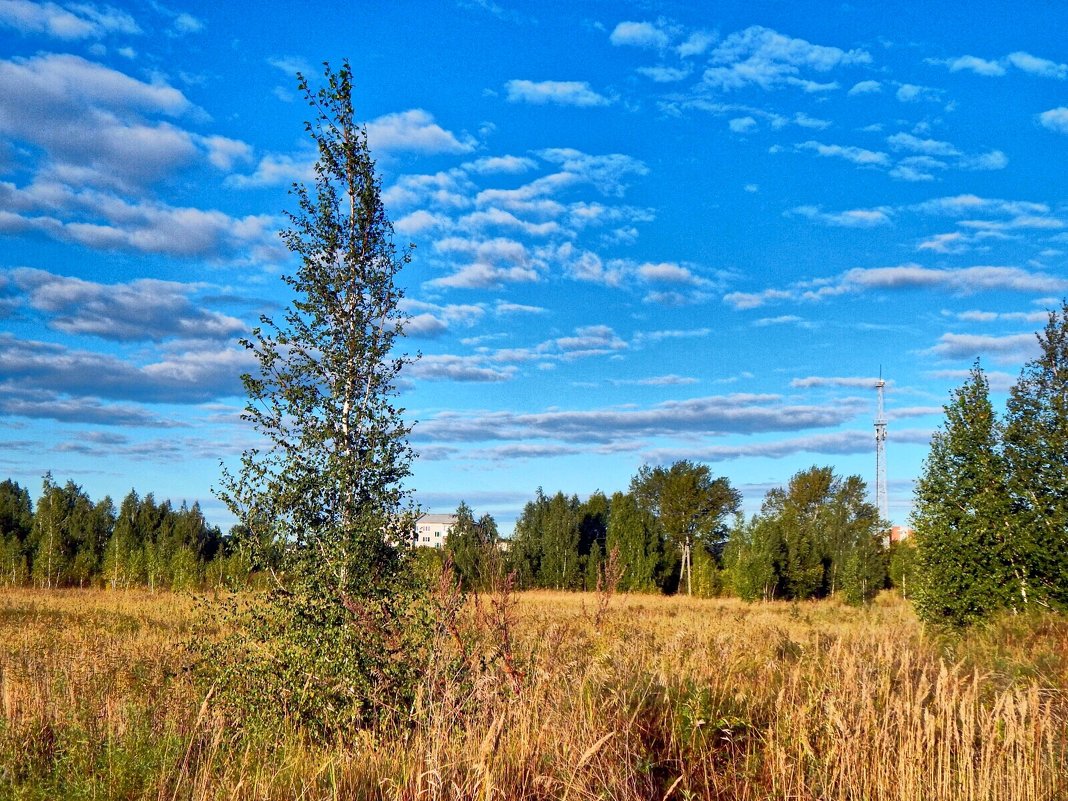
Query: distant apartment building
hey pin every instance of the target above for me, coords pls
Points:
(431, 530)
(899, 533)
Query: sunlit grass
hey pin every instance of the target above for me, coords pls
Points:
(667, 697)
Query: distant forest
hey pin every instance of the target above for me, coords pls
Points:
(70, 541)
(677, 529)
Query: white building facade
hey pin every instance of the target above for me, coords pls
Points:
(431, 530)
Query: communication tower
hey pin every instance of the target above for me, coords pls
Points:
(880, 453)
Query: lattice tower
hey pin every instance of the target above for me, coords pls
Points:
(880, 454)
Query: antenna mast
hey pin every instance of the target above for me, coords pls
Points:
(880, 453)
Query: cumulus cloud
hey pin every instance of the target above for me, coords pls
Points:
(852, 218)
(1056, 119)
(1044, 68)
(865, 88)
(140, 310)
(1011, 349)
(35, 404)
(191, 376)
(763, 57)
(458, 368)
(857, 155)
(914, 144)
(104, 221)
(561, 93)
(431, 319)
(415, 131)
(88, 120)
(508, 165)
(70, 22)
(639, 34)
(742, 124)
(980, 66)
(913, 93)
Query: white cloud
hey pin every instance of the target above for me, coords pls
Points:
(853, 218)
(853, 382)
(695, 417)
(912, 93)
(1011, 349)
(1056, 119)
(508, 165)
(914, 144)
(291, 65)
(224, 152)
(662, 74)
(668, 273)
(1041, 67)
(994, 160)
(696, 44)
(140, 310)
(639, 34)
(75, 21)
(88, 118)
(768, 59)
(742, 124)
(857, 155)
(414, 130)
(186, 23)
(457, 368)
(865, 88)
(960, 281)
(563, 93)
(980, 66)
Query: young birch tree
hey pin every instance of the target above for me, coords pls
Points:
(326, 489)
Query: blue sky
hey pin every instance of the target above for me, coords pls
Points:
(644, 231)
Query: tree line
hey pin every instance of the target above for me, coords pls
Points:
(70, 541)
(991, 510)
(678, 528)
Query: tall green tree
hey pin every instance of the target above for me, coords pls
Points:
(472, 544)
(633, 531)
(16, 524)
(962, 515)
(1036, 451)
(328, 482)
(690, 505)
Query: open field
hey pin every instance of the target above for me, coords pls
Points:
(666, 697)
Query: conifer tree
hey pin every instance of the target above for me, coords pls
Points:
(962, 515)
(1036, 450)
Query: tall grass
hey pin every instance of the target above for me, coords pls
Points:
(655, 698)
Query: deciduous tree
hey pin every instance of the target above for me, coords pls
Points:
(327, 485)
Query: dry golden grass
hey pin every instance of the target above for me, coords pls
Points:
(668, 697)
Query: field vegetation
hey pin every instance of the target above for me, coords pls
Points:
(569, 695)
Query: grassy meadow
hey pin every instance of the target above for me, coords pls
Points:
(651, 698)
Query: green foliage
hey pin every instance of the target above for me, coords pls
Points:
(751, 558)
(633, 531)
(689, 505)
(338, 641)
(545, 547)
(813, 538)
(472, 546)
(902, 566)
(962, 515)
(1036, 453)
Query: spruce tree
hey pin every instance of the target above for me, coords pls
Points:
(1036, 449)
(962, 516)
(336, 643)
